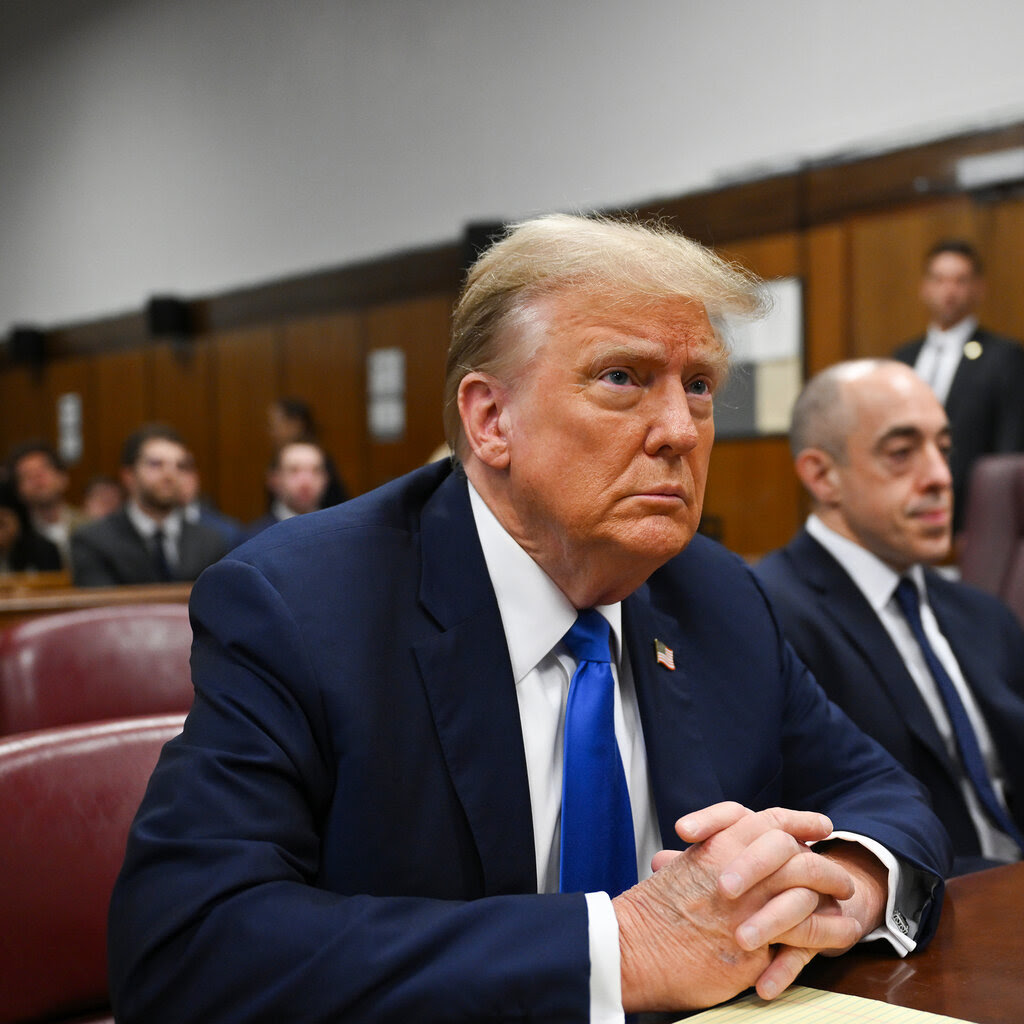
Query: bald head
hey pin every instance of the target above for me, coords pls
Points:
(871, 445)
(822, 416)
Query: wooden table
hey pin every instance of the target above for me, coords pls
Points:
(20, 603)
(973, 969)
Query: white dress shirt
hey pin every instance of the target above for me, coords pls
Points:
(941, 353)
(148, 526)
(535, 616)
(877, 582)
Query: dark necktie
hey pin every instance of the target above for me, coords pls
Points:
(966, 739)
(598, 852)
(163, 569)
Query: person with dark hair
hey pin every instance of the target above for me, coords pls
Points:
(505, 739)
(291, 419)
(22, 549)
(41, 479)
(148, 540)
(977, 375)
(297, 479)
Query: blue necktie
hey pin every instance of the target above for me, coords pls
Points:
(966, 740)
(598, 853)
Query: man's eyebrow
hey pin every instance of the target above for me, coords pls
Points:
(908, 433)
(707, 354)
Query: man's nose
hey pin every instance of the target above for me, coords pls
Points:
(936, 468)
(672, 427)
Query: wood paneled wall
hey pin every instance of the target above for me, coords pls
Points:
(854, 233)
(216, 388)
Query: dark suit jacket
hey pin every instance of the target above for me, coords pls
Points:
(110, 552)
(985, 406)
(839, 637)
(343, 830)
(32, 552)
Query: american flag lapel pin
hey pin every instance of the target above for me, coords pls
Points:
(664, 655)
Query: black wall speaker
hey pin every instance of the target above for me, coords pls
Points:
(168, 317)
(28, 345)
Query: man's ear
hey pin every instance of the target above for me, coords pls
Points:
(481, 404)
(127, 478)
(819, 474)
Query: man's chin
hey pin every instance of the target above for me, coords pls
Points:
(659, 538)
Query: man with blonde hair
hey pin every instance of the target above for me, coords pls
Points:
(488, 743)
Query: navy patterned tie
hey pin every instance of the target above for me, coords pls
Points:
(598, 852)
(966, 740)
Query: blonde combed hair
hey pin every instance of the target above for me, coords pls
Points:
(622, 261)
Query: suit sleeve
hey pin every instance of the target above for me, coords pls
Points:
(218, 914)
(89, 568)
(865, 792)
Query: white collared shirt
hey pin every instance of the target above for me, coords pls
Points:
(940, 355)
(536, 615)
(57, 532)
(280, 511)
(877, 582)
(147, 526)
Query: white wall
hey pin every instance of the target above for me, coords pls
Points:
(198, 145)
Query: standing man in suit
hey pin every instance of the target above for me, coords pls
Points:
(871, 444)
(148, 540)
(977, 375)
(487, 743)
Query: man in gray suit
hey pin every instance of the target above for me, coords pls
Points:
(149, 540)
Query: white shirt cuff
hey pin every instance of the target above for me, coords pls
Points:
(605, 965)
(895, 926)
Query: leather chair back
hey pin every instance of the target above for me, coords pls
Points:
(67, 798)
(95, 663)
(991, 543)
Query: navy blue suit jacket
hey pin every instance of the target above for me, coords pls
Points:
(837, 634)
(343, 830)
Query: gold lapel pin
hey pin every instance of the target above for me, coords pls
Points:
(972, 349)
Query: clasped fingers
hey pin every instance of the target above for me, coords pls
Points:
(778, 858)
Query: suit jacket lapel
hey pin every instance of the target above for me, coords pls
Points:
(999, 705)
(468, 678)
(136, 552)
(680, 768)
(968, 372)
(843, 602)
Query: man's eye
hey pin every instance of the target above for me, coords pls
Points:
(700, 386)
(618, 377)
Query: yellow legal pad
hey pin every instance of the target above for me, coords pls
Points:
(800, 1005)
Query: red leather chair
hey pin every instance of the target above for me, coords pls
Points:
(67, 798)
(95, 663)
(991, 542)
